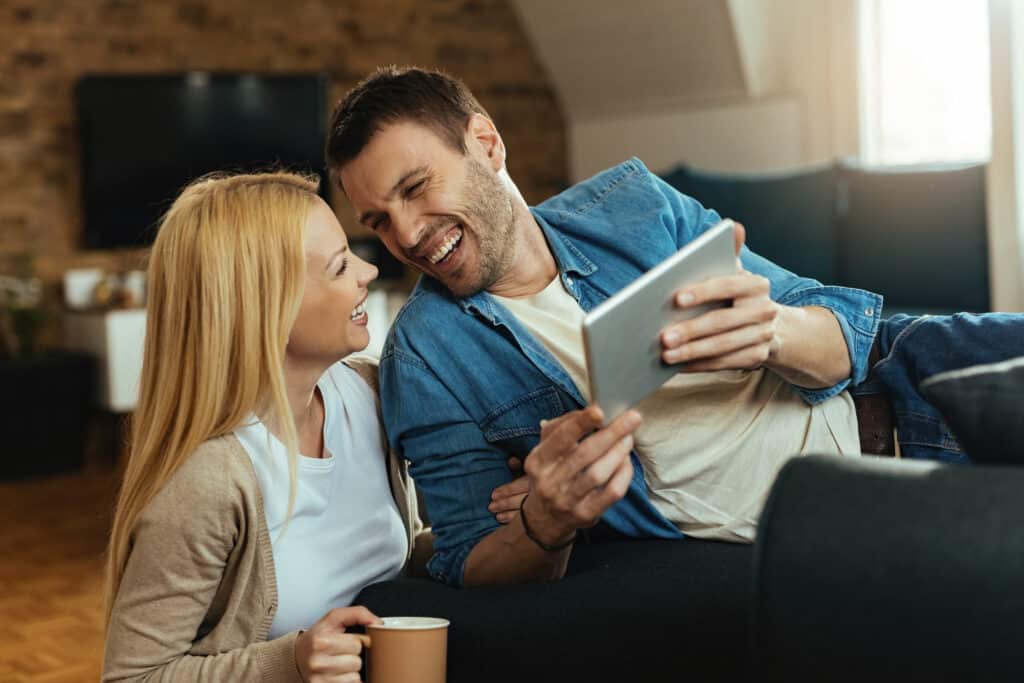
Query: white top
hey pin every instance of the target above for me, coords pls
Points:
(345, 531)
(711, 443)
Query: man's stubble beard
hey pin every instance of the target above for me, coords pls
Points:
(488, 208)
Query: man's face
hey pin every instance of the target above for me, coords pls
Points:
(444, 213)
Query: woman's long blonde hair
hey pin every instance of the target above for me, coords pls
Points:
(226, 276)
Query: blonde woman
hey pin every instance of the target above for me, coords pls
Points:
(259, 497)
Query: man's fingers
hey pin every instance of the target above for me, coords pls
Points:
(598, 444)
(546, 426)
(603, 469)
(717, 322)
(600, 499)
(721, 344)
(739, 236)
(564, 436)
(722, 288)
(749, 358)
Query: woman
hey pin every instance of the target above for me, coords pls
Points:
(259, 497)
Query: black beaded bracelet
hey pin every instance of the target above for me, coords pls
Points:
(542, 544)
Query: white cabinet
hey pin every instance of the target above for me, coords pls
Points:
(116, 339)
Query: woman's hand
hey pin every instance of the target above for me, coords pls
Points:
(326, 654)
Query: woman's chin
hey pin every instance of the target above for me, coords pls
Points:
(360, 341)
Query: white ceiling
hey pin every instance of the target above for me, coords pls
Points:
(609, 56)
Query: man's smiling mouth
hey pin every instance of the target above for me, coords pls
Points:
(446, 248)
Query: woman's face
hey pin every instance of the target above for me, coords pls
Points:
(331, 323)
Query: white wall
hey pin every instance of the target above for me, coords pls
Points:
(746, 137)
(798, 64)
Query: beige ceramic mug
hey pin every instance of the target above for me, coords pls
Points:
(406, 650)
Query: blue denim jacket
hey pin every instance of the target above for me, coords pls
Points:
(464, 385)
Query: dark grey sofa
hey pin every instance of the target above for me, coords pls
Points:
(627, 610)
(864, 569)
(916, 235)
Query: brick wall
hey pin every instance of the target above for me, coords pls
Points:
(46, 44)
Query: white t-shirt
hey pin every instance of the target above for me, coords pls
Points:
(345, 531)
(711, 443)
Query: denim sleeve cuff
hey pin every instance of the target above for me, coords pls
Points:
(858, 313)
(449, 566)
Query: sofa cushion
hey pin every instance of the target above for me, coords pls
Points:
(915, 235)
(982, 406)
(789, 217)
(626, 610)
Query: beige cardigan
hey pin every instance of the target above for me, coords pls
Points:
(199, 593)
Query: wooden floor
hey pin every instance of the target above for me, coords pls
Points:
(52, 537)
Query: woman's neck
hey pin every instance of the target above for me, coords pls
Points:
(307, 407)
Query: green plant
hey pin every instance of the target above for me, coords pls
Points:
(22, 316)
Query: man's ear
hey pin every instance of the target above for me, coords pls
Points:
(483, 135)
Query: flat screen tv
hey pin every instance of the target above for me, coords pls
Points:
(143, 138)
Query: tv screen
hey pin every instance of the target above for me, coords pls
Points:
(145, 137)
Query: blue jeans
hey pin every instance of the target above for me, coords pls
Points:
(914, 348)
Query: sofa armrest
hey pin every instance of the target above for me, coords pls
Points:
(875, 566)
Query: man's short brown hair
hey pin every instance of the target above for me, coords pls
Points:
(391, 94)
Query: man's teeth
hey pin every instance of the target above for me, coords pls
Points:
(358, 312)
(445, 248)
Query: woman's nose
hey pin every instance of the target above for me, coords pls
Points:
(368, 274)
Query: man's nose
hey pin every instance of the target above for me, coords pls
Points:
(408, 231)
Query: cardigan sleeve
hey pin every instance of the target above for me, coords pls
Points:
(180, 554)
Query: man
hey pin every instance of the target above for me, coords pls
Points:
(485, 360)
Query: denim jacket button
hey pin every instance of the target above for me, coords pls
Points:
(869, 311)
(568, 281)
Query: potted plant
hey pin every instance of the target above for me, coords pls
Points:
(21, 316)
(44, 394)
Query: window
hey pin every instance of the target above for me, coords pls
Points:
(925, 89)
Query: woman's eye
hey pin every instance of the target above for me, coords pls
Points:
(344, 266)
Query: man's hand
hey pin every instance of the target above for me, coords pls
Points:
(577, 471)
(505, 499)
(803, 345)
(740, 337)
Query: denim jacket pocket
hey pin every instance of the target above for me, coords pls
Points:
(514, 426)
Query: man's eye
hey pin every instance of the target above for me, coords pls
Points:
(414, 189)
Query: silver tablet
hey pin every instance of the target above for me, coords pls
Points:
(621, 335)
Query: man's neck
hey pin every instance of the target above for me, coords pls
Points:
(533, 265)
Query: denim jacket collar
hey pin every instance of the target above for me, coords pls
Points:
(568, 258)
